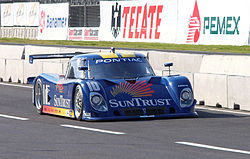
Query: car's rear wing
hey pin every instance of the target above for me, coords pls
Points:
(54, 56)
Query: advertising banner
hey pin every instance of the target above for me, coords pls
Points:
(32, 14)
(213, 22)
(75, 34)
(84, 34)
(7, 17)
(20, 14)
(0, 16)
(138, 21)
(53, 21)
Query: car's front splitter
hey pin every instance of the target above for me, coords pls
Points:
(177, 115)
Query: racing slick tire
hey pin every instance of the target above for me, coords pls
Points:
(39, 96)
(78, 102)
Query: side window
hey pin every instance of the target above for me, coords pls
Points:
(73, 71)
(81, 73)
(70, 72)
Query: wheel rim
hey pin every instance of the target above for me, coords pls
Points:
(78, 103)
(38, 95)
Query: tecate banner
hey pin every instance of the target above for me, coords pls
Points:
(6, 14)
(213, 22)
(83, 33)
(53, 21)
(138, 21)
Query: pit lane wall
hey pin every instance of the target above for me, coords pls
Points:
(222, 80)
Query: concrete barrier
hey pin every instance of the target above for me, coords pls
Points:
(239, 92)
(52, 67)
(182, 62)
(226, 64)
(14, 71)
(211, 88)
(32, 70)
(11, 51)
(2, 69)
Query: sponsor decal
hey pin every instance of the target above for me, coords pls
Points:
(194, 27)
(7, 14)
(20, 14)
(138, 102)
(59, 87)
(117, 60)
(91, 34)
(182, 85)
(69, 113)
(93, 86)
(56, 22)
(139, 89)
(86, 114)
(42, 21)
(75, 34)
(139, 22)
(61, 102)
(46, 97)
(214, 25)
(116, 20)
(58, 111)
(52, 22)
(32, 15)
(221, 25)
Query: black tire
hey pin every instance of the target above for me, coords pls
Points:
(78, 102)
(39, 96)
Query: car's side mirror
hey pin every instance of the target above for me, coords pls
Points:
(168, 64)
(83, 68)
(169, 70)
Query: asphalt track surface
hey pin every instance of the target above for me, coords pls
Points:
(214, 135)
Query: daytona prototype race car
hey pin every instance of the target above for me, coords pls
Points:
(111, 86)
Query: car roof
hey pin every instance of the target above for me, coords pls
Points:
(108, 55)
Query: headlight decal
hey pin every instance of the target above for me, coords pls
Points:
(97, 102)
(186, 97)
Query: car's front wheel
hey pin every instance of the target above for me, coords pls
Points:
(39, 96)
(78, 102)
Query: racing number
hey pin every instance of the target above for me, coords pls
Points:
(93, 86)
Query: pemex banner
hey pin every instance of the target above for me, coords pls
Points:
(213, 22)
(138, 21)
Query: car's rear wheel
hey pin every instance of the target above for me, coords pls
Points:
(78, 102)
(39, 96)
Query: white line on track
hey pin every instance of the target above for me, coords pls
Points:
(223, 110)
(15, 85)
(93, 129)
(214, 147)
(13, 117)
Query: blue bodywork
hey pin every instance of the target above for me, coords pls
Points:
(124, 97)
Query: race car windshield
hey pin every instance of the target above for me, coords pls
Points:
(121, 70)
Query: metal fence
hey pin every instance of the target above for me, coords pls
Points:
(84, 13)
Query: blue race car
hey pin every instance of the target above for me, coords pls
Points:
(111, 86)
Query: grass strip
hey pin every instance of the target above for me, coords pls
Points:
(138, 45)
